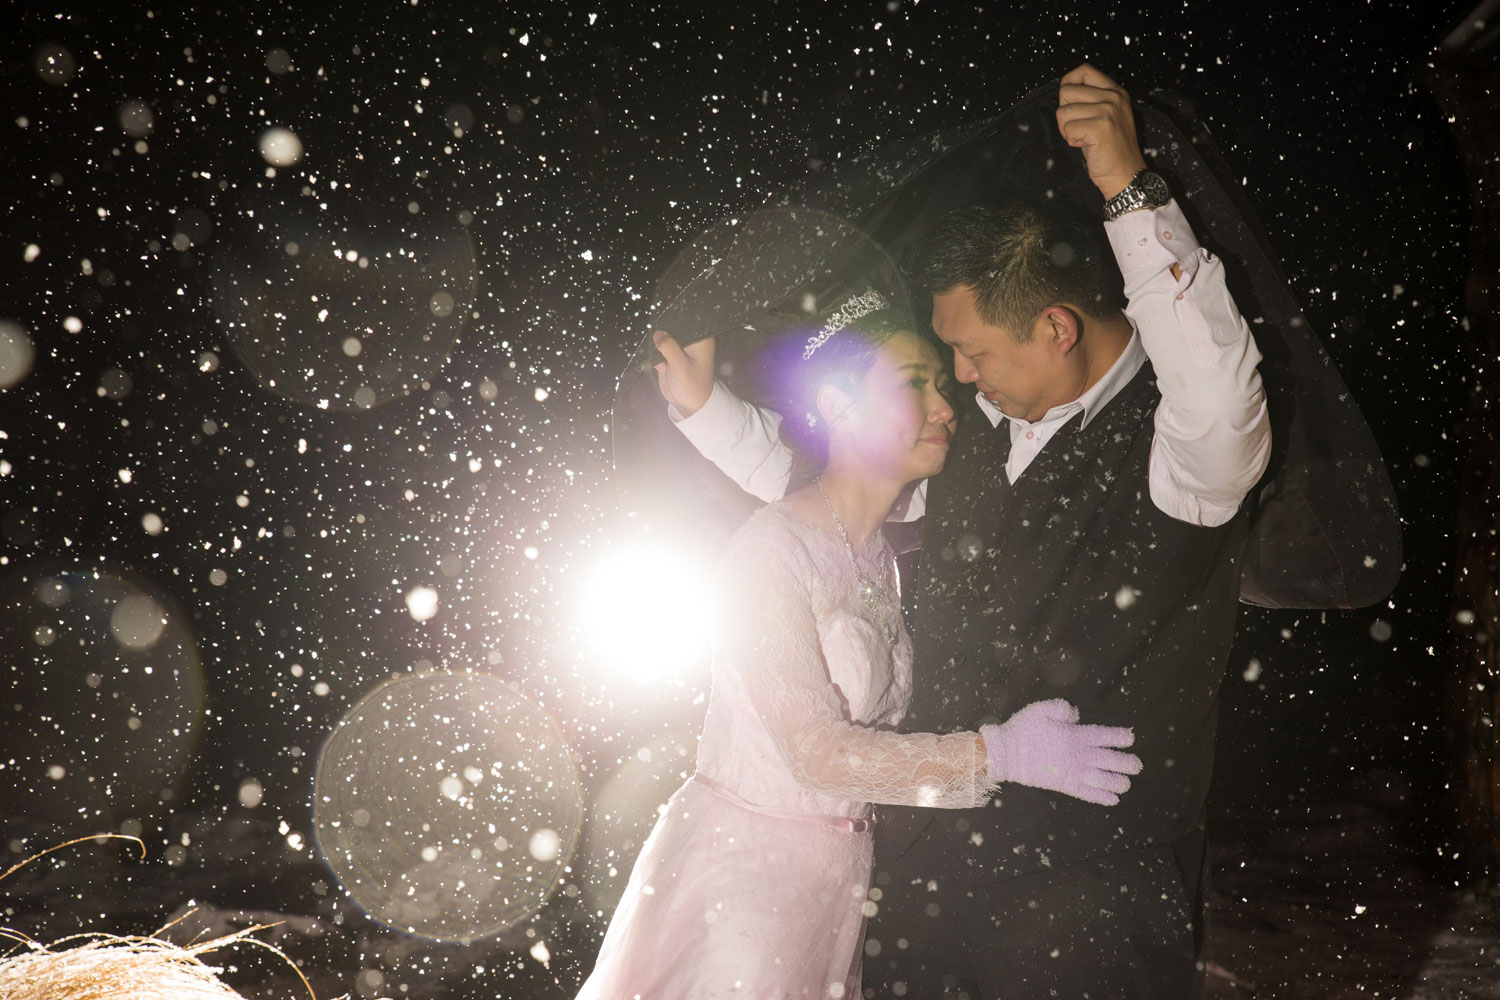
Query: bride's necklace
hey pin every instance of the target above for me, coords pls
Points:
(867, 589)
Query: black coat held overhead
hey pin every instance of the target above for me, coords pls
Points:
(1070, 583)
(1324, 531)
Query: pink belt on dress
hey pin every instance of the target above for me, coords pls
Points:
(845, 823)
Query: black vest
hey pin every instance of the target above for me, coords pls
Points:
(1070, 584)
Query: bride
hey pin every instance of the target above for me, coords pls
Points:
(755, 881)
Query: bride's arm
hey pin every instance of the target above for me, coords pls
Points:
(768, 637)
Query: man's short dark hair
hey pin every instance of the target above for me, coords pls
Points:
(1020, 257)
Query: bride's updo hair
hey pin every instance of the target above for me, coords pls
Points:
(835, 354)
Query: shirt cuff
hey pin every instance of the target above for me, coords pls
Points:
(718, 425)
(1183, 506)
(1148, 241)
(715, 409)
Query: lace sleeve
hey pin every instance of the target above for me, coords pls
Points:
(768, 635)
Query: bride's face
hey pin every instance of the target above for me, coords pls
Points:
(902, 424)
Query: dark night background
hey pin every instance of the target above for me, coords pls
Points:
(570, 151)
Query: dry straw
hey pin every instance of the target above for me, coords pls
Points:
(108, 967)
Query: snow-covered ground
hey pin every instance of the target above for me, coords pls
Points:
(1335, 899)
(1330, 898)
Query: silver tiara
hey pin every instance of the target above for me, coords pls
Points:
(852, 309)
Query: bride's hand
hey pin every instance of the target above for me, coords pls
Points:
(1044, 746)
(686, 377)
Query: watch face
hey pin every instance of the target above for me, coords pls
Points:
(1154, 186)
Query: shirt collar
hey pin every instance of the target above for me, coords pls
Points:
(1094, 399)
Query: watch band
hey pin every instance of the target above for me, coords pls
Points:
(1145, 190)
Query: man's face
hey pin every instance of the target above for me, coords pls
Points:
(1023, 380)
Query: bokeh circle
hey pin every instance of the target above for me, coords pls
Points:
(104, 695)
(447, 805)
(342, 309)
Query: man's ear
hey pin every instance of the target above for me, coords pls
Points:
(1060, 327)
(833, 403)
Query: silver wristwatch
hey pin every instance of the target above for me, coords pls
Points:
(1145, 190)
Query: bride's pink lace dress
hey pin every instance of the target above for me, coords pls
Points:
(754, 882)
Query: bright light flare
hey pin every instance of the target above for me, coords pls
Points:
(645, 612)
(422, 602)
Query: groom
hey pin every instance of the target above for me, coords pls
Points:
(1083, 543)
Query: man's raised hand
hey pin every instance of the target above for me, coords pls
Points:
(686, 377)
(1093, 113)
